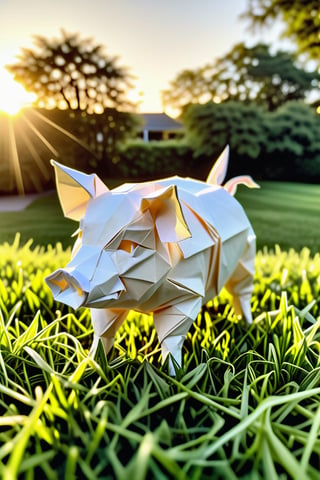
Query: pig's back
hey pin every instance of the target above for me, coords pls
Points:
(212, 203)
(183, 184)
(190, 185)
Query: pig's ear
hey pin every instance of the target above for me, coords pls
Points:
(165, 208)
(75, 189)
(219, 169)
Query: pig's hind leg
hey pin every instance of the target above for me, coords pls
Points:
(240, 284)
(172, 325)
(105, 324)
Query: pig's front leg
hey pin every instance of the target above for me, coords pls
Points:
(105, 324)
(172, 325)
(240, 285)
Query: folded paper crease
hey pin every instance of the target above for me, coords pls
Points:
(166, 247)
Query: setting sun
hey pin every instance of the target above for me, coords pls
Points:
(13, 97)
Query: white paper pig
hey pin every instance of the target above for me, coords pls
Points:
(164, 246)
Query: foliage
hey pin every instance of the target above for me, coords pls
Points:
(84, 112)
(300, 18)
(247, 74)
(189, 86)
(245, 404)
(77, 139)
(281, 145)
(70, 72)
(155, 159)
(211, 126)
(83, 141)
(292, 149)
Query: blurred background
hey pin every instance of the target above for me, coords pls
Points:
(140, 90)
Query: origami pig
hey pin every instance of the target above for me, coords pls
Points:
(165, 246)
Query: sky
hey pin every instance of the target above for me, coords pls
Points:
(155, 39)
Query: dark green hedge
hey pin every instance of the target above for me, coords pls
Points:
(280, 145)
(74, 138)
(156, 159)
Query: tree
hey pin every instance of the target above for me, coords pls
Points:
(189, 86)
(72, 73)
(210, 127)
(81, 115)
(248, 74)
(279, 145)
(292, 148)
(301, 19)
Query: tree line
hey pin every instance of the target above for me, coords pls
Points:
(263, 103)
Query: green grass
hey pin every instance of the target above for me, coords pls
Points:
(42, 221)
(245, 405)
(284, 213)
(281, 213)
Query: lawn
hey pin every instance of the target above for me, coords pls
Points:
(42, 221)
(281, 213)
(284, 213)
(245, 404)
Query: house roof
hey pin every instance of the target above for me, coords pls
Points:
(160, 122)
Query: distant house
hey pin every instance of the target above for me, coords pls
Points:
(159, 126)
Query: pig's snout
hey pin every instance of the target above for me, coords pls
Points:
(67, 288)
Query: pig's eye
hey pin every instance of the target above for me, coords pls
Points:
(127, 246)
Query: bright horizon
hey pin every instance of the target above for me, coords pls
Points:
(155, 40)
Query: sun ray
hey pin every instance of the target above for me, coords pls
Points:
(15, 158)
(35, 155)
(25, 139)
(6, 169)
(64, 132)
(41, 137)
(24, 136)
